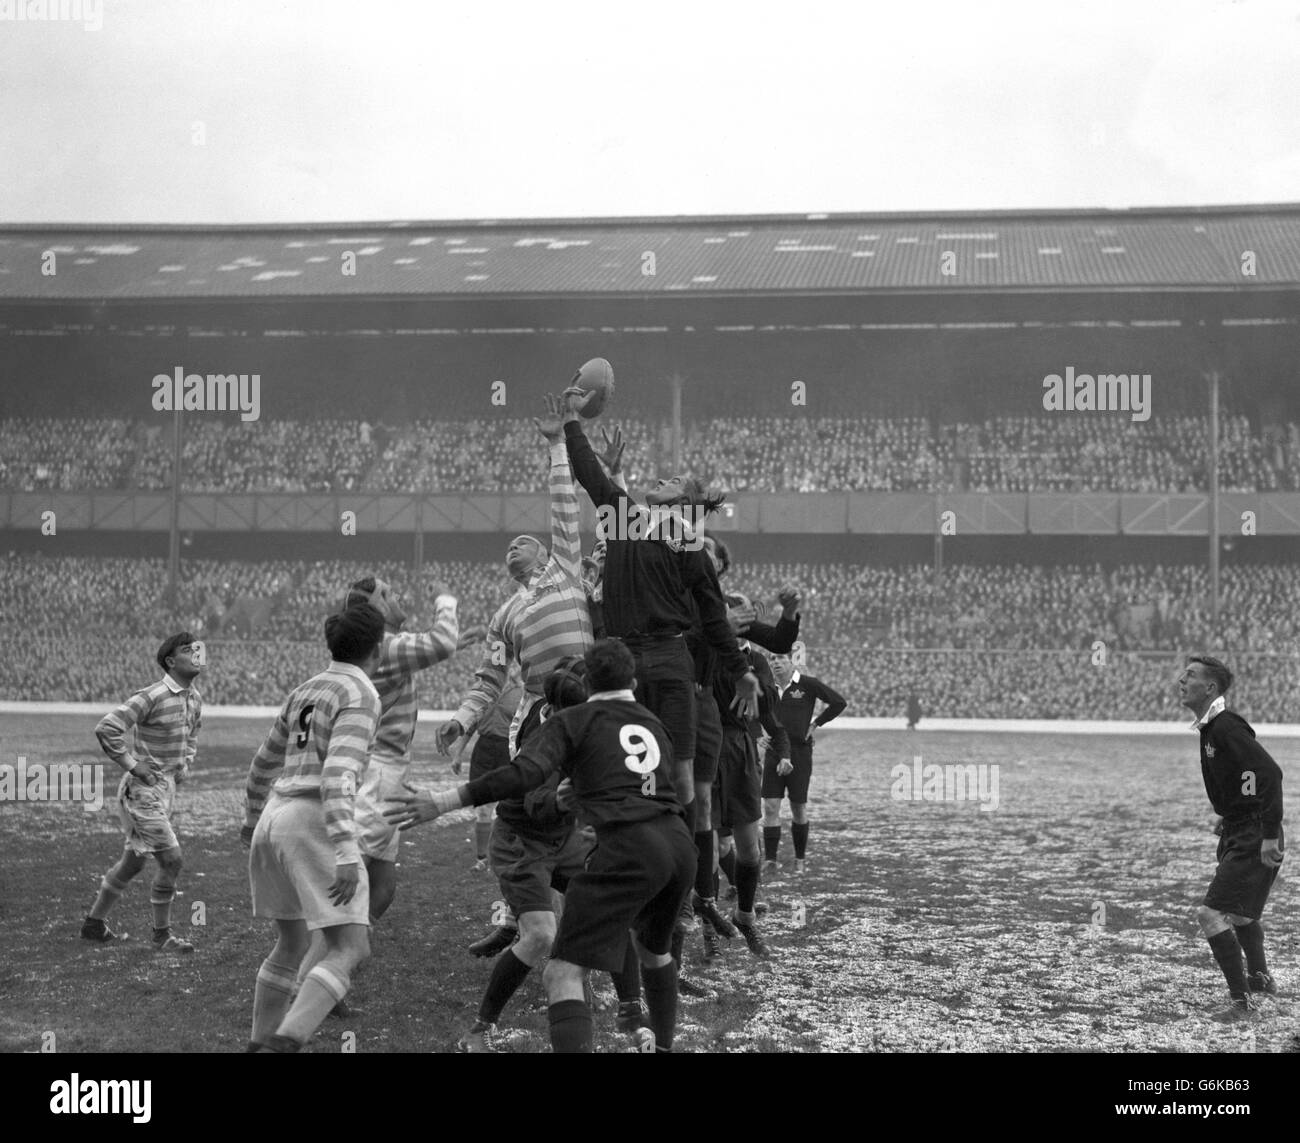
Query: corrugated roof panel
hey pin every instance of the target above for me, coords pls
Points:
(1164, 249)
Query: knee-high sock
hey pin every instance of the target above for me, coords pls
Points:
(271, 998)
(324, 987)
(110, 889)
(661, 1003)
(160, 897)
(704, 863)
(1252, 943)
(679, 939)
(727, 863)
(746, 886)
(570, 1026)
(508, 974)
(771, 841)
(799, 831)
(1227, 951)
(627, 981)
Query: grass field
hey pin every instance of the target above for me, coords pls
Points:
(1060, 922)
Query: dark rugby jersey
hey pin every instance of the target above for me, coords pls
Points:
(724, 691)
(779, 640)
(616, 752)
(1229, 757)
(648, 587)
(795, 709)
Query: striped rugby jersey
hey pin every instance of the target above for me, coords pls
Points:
(401, 656)
(318, 748)
(541, 623)
(158, 725)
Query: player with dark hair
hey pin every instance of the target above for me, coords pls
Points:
(799, 696)
(739, 786)
(1244, 785)
(491, 749)
(611, 749)
(657, 588)
(402, 656)
(152, 737)
(305, 865)
(709, 753)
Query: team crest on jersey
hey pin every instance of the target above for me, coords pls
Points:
(794, 693)
(1209, 750)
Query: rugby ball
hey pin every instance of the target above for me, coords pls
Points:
(596, 376)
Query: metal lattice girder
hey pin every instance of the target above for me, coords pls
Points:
(1088, 513)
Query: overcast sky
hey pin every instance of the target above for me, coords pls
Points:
(257, 110)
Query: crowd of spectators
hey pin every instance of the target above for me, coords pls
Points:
(1045, 453)
(987, 640)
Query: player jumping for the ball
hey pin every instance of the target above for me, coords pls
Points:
(152, 737)
(1245, 787)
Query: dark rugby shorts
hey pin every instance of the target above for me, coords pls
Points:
(528, 868)
(1241, 882)
(665, 686)
(793, 785)
(636, 878)
(708, 735)
(739, 779)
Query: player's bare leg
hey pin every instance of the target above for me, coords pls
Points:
(537, 930)
(771, 834)
(111, 889)
(567, 1007)
(346, 946)
(1219, 931)
(799, 832)
(275, 988)
(161, 894)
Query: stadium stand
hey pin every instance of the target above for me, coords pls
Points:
(740, 454)
(997, 640)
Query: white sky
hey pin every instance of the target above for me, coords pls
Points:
(322, 110)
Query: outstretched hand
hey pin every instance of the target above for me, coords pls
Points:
(575, 400)
(612, 457)
(551, 426)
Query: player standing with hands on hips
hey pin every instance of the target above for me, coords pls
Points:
(153, 737)
(1245, 788)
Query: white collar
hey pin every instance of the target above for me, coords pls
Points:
(624, 695)
(173, 685)
(1216, 707)
(794, 678)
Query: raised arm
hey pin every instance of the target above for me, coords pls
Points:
(413, 651)
(587, 469)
